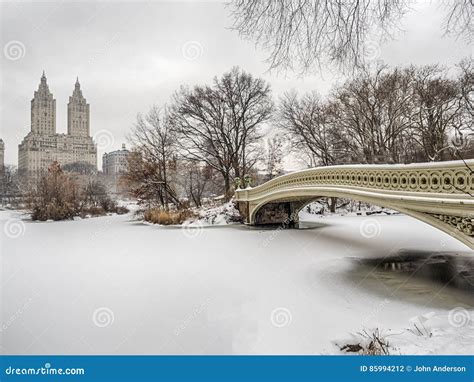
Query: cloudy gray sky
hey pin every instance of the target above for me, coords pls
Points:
(129, 55)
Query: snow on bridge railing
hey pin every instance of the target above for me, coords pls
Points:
(450, 177)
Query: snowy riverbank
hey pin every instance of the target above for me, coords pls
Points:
(112, 285)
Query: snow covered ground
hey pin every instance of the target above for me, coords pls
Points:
(113, 285)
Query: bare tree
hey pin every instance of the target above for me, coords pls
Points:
(273, 157)
(304, 34)
(153, 158)
(373, 109)
(196, 180)
(309, 123)
(94, 194)
(83, 168)
(459, 18)
(385, 115)
(220, 124)
(464, 120)
(10, 185)
(436, 108)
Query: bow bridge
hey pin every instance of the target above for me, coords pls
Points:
(439, 193)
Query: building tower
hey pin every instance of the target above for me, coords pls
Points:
(78, 113)
(43, 110)
(43, 146)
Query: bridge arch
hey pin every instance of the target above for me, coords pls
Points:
(439, 194)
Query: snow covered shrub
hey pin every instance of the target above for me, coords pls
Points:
(120, 210)
(372, 343)
(161, 216)
(55, 197)
(220, 215)
(100, 211)
(96, 201)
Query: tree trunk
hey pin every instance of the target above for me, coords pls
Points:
(227, 193)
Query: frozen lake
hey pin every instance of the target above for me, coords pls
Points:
(113, 285)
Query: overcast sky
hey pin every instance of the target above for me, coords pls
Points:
(130, 55)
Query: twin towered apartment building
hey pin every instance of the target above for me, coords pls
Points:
(43, 145)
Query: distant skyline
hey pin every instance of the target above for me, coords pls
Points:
(130, 55)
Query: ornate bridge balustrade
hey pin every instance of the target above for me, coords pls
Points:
(440, 194)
